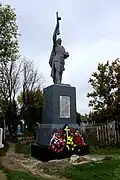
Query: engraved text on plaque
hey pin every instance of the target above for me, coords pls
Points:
(64, 107)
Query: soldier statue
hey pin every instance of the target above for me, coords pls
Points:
(58, 56)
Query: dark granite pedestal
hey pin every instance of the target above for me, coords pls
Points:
(59, 110)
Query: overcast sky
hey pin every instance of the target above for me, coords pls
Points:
(90, 30)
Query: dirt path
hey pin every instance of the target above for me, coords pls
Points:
(8, 161)
(14, 161)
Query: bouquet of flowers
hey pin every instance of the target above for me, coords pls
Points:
(69, 138)
(26, 140)
(57, 144)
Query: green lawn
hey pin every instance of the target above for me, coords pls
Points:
(109, 169)
(105, 151)
(18, 175)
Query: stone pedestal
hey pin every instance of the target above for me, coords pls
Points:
(59, 105)
(59, 114)
(59, 109)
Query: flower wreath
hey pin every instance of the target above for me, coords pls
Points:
(66, 137)
(56, 144)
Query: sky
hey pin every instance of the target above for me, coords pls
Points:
(90, 31)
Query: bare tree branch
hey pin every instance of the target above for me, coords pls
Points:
(32, 81)
(9, 79)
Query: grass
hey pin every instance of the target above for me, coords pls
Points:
(23, 148)
(109, 169)
(19, 175)
(105, 151)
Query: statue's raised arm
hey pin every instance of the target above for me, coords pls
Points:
(58, 56)
(57, 30)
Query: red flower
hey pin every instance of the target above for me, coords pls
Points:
(78, 140)
(61, 131)
(30, 138)
(24, 141)
(72, 130)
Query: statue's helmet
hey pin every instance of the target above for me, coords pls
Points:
(59, 40)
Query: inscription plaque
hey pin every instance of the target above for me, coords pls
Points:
(64, 107)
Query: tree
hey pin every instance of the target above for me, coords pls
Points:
(34, 106)
(105, 83)
(15, 73)
(32, 84)
(8, 56)
(9, 87)
(8, 34)
(81, 118)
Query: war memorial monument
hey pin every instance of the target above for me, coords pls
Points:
(58, 134)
